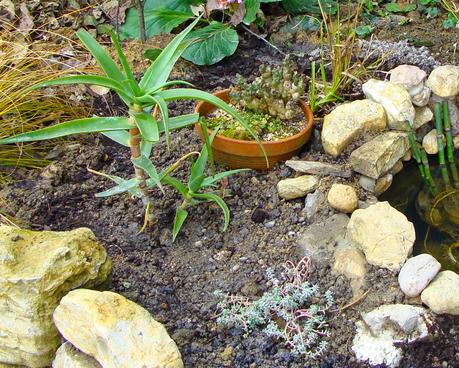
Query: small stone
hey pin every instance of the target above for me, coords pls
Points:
(67, 356)
(318, 168)
(297, 187)
(395, 100)
(350, 262)
(442, 294)
(456, 141)
(376, 186)
(383, 233)
(227, 354)
(397, 168)
(416, 274)
(407, 76)
(376, 157)
(270, 224)
(430, 143)
(423, 116)
(444, 81)
(422, 98)
(312, 203)
(259, 215)
(347, 121)
(342, 198)
(115, 331)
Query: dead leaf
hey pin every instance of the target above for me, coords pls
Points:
(98, 90)
(116, 13)
(212, 5)
(238, 15)
(25, 19)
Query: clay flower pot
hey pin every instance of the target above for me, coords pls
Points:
(248, 154)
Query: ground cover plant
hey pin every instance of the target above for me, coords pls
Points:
(140, 131)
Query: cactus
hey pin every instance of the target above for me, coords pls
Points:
(275, 92)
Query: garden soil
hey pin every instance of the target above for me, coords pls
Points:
(175, 281)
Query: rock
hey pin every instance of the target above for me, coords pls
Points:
(422, 116)
(416, 274)
(312, 203)
(318, 168)
(319, 239)
(69, 357)
(395, 100)
(442, 294)
(347, 121)
(297, 187)
(412, 79)
(386, 325)
(430, 143)
(350, 262)
(376, 186)
(36, 270)
(397, 168)
(343, 198)
(383, 233)
(115, 331)
(444, 81)
(378, 156)
(456, 141)
(422, 98)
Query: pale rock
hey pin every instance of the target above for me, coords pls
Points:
(343, 198)
(348, 121)
(67, 356)
(376, 157)
(430, 143)
(423, 116)
(318, 168)
(412, 79)
(350, 262)
(407, 156)
(319, 239)
(395, 100)
(416, 274)
(312, 203)
(115, 331)
(456, 141)
(397, 168)
(376, 186)
(442, 294)
(36, 270)
(385, 326)
(422, 98)
(297, 187)
(444, 81)
(383, 234)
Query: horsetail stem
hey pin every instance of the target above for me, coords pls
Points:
(428, 176)
(450, 145)
(441, 153)
(415, 149)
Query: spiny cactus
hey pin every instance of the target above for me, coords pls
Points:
(275, 92)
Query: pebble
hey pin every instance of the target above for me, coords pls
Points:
(270, 224)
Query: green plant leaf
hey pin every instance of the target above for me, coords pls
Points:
(178, 185)
(211, 44)
(165, 117)
(79, 126)
(119, 136)
(179, 122)
(122, 187)
(210, 180)
(147, 125)
(103, 58)
(145, 163)
(180, 217)
(159, 71)
(251, 7)
(221, 203)
(310, 6)
(363, 31)
(145, 148)
(194, 184)
(152, 54)
(397, 8)
(301, 22)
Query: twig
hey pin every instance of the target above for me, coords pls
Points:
(264, 40)
(352, 303)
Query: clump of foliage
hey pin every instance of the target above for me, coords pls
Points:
(275, 92)
(141, 131)
(285, 312)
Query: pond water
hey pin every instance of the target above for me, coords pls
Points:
(402, 195)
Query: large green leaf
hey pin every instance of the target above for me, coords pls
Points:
(251, 7)
(123, 186)
(119, 136)
(159, 71)
(179, 122)
(145, 163)
(180, 217)
(211, 44)
(178, 185)
(309, 6)
(147, 125)
(88, 125)
(210, 180)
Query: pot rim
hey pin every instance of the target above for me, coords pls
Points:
(307, 112)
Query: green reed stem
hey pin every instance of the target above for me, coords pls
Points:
(450, 145)
(415, 149)
(428, 175)
(441, 152)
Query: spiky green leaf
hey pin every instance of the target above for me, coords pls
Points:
(147, 125)
(180, 217)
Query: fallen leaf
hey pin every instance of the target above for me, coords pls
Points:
(238, 15)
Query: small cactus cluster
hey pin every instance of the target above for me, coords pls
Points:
(275, 92)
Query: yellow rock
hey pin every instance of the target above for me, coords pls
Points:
(115, 331)
(67, 356)
(36, 270)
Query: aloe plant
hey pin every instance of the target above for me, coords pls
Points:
(140, 130)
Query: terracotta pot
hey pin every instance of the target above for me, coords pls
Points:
(248, 154)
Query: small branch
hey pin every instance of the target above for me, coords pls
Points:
(140, 10)
(264, 40)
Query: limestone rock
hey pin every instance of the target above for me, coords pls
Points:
(444, 81)
(378, 156)
(69, 357)
(343, 198)
(36, 270)
(442, 294)
(416, 274)
(319, 239)
(422, 98)
(115, 331)
(383, 233)
(312, 203)
(318, 168)
(347, 121)
(386, 325)
(396, 168)
(430, 143)
(297, 187)
(350, 262)
(376, 186)
(456, 141)
(395, 100)
(412, 79)
(423, 115)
